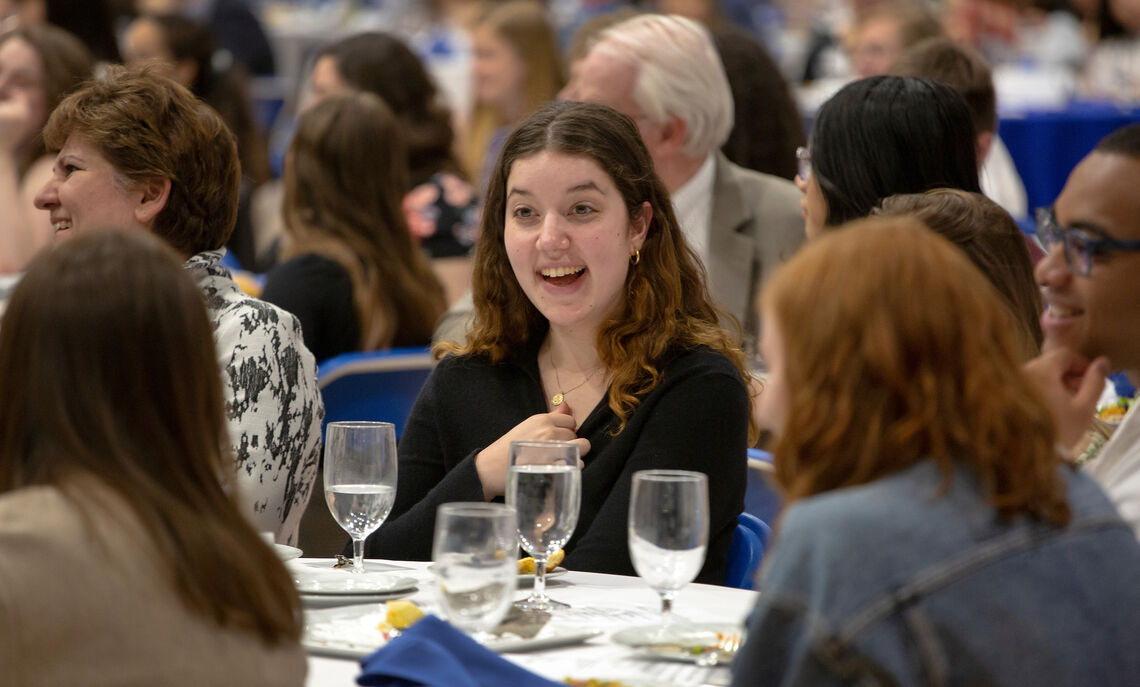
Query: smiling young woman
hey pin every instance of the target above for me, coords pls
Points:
(592, 324)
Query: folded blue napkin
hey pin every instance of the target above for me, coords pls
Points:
(432, 653)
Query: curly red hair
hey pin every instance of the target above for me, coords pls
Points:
(896, 351)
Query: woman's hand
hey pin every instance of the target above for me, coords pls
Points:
(491, 463)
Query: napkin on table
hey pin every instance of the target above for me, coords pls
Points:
(432, 653)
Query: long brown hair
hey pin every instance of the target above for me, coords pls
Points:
(987, 234)
(667, 303)
(344, 181)
(522, 25)
(898, 351)
(383, 64)
(66, 62)
(109, 373)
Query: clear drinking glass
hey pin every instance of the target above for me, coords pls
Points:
(544, 484)
(668, 530)
(475, 554)
(360, 478)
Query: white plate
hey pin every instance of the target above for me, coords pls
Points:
(528, 580)
(677, 642)
(287, 553)
(337, 600)
(352, 632)
(342, 582)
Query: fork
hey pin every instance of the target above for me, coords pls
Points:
(723, 652)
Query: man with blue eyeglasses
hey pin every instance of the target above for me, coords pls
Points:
(1091, 321)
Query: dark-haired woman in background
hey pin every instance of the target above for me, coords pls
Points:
(880, 136)
(123, 559)
(351, 273)
(441, 208)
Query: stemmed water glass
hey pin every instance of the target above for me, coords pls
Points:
(475, 552)
(544, 484)
(668, 530)
(360, 479)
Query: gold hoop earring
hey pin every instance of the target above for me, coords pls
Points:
(635, 258)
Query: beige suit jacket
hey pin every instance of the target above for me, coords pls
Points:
(756, 225)
(85, 601)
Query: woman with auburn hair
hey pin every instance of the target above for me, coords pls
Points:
(38, 66)
(351, 274)
(993, 242)
(592, 324)
(138, 151)
(123, 558)
(515, 70)
(932, 533)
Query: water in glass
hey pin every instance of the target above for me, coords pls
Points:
(360, 478)
(544, 484)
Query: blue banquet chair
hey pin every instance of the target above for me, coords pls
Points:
(746, 551)
(374, 385)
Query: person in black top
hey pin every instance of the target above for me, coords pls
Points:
(592, 324)
(352, 273)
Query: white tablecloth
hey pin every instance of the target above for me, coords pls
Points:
(608, 602)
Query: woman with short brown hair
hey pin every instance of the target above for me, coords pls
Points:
(138, 151)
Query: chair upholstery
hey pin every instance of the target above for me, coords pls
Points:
(375, 385)
(746, 551)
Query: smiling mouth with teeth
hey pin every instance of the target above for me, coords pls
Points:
(61, 225)
(564, 274)
(1057, 311)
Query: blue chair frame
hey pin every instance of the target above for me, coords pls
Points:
(374, 385)
(760, 497)
(746, 551)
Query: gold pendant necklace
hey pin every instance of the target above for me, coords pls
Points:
(556, 399)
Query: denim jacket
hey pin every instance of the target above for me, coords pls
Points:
(899, 582)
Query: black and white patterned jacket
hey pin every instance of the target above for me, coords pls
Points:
(269, 380)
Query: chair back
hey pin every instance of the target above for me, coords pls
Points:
(761, 499)
(374, 385)
(746, 551)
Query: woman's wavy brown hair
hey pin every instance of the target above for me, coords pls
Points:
(109, 373)
(344, 180)
(990, 238)
(667, 304)
(897, 351)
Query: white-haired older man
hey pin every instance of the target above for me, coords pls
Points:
(664, 72)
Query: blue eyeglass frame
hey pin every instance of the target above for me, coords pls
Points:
(1078, 243)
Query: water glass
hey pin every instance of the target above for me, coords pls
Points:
(360, 479)
(475, 552)
(544, 484)
(668, 530)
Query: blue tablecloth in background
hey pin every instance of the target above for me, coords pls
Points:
(1047, 145)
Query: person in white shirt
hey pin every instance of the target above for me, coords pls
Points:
(966, 71)
(1092, 316)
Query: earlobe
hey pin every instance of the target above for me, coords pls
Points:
(674, 132)
(155, 193)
